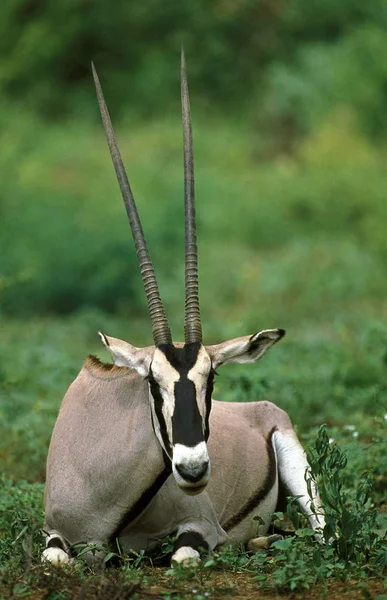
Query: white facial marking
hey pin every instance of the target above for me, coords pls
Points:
(199, 376)
(191, 461)
(166, 377)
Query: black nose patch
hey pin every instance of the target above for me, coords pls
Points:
(193, 475)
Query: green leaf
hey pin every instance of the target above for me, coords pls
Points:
(283, 544)
(305, 533)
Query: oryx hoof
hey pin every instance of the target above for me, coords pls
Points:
(261, 544)
(186, 556)
(56, 556)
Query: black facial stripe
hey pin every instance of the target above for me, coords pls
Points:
(187, 422)
(260, 494)
(187, 425)
(209, 390)
(158, 402)
(181, 359)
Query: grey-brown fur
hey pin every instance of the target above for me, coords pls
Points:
(103, 453)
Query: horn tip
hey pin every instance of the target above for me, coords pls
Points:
(95, 74)
(182, 58)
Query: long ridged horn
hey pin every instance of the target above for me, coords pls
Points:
(160, 326)
(192, 324)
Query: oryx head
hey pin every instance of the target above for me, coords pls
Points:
(180, 376)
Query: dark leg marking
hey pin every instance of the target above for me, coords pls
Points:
(192, 539)
(56, 542)
(260, 494)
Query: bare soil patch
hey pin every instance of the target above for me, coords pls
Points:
(155, 583)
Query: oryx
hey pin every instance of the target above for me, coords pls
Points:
(130, 454)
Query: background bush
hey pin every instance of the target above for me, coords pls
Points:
(290, 125)
(296, 59)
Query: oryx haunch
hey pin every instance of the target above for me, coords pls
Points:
(123, 430)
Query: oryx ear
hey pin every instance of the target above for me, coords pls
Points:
(126, 355)
(244, 349)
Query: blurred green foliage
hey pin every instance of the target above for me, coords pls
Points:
(305, 232)
(289, 62)
(303, 84)
(290, 122)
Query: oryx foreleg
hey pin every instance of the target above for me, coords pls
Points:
(203, 533)
(192, 518)
(187, 547)
(292, 467)
(57, 551)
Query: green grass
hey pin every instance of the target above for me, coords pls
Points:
(297, 243)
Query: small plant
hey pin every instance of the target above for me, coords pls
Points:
(234, 559)
(354, 535)
(350, 522)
